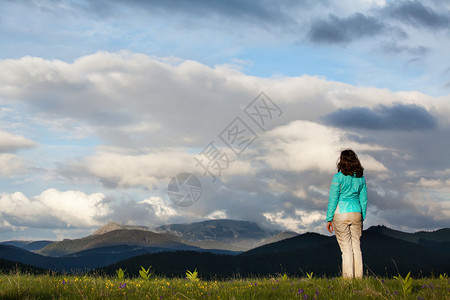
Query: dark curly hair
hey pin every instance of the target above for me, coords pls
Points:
(349, 163)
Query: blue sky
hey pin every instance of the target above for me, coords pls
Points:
(103, 102)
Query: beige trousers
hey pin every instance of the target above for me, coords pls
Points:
(348, 228)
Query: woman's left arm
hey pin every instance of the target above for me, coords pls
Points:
(333, 199)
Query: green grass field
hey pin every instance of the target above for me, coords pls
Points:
(25, 286)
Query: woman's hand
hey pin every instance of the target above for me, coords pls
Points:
(330, 226)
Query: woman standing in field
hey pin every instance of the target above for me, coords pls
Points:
(347, 210)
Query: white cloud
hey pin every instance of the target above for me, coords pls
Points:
(12, 142)
(141, 120)
(217, 214)
(150, 167)
(433, 183)
(300, 193)
(302, 145)
(53, 208)
(431, 204)
(129, 98)
(132, 121)
(11, 164)
(123, 168)
(6, 225)
(138, 100)
(301, 221)
(289, 223)
(161, 209)
(308, 218)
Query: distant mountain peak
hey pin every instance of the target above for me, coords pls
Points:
(440, 235)
(241, 234)
(111, 226)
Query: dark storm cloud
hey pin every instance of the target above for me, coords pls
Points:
(396, 117)
(337, 30)
(416, 14)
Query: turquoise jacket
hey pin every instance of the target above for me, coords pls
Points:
(350, 193)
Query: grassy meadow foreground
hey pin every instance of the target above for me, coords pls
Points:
(25, 286)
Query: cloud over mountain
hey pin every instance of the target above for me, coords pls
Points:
(115, 98)
(144, 120)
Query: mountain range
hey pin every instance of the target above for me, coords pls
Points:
(220, 248)
(383, 255)
(114, 242)
(225, 236)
